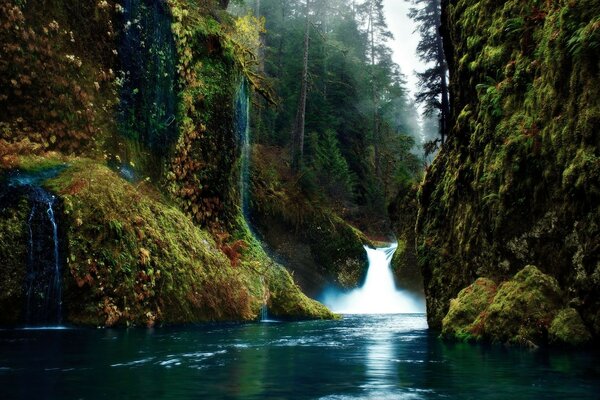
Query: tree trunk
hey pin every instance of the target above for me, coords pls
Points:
(443, 70)
(224, 4)
(298, 132)
(374, 94)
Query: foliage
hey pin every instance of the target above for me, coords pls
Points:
(356, 97)
(43, 98)
(518, 184)
(333, 174)
(313, 240)
(14, 212)
(433, 82)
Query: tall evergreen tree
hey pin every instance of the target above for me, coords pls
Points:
(376, 29)
(433, 82)
(298, 131)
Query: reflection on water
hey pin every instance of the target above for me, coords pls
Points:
(360, 357)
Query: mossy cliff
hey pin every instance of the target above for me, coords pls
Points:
(310, 238)
(143, 119)
(403, 214)
(518, 182)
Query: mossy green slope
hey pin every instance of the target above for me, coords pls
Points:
(133, 258)
(167, 249)
(318, 245)
(518, 183)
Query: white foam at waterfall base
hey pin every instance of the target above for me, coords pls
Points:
(379, 294)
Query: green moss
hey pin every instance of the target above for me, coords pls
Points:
(403, 212)
(464, 310)
(287, 301)
(523, 309)
(314, 241)
(133, 258)
(13, 253)
(521, 171)
(568, 328)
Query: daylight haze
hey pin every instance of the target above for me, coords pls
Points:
(405, 40)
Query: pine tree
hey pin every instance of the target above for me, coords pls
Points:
(298, 131)
(373, 18)
(433, 82)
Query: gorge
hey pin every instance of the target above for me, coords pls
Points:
(175, 172)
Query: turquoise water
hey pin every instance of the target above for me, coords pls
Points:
(359, 357)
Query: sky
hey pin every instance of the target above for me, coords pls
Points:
(405, 40)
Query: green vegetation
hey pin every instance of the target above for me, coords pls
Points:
(568, 328)
(522, 309)
(526, 310)
(518, 181)
(403, 213)
(360, 122)
(133, 258)
(316, 244)
(13, 252)
(158, 237)
(467, 307)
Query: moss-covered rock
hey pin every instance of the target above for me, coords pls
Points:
(526, 310)
(133, 258)
(567, 328)
(13, 256)
(403, 213)
(312, 240)
(523, 309)
(286, 300)
(464, 310)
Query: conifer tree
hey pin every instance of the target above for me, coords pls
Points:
(433, 82)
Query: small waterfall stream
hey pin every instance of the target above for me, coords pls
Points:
(148, 57)
(379, 294)
(43, 283)
(43, 280)
(242, 125)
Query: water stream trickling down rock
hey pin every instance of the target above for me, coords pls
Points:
(43, 281)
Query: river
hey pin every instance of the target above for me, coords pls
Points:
(358, 357)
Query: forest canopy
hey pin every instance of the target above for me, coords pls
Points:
(330, 67)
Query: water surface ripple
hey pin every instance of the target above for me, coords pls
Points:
(359, 357)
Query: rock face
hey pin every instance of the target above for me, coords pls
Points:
(403, 213)
(518, 182)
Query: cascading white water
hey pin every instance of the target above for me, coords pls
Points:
(379, 294)
(43, 283)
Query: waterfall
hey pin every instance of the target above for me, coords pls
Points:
(148, 57)
(379, 294)
(43, 282)
(264, 313)
(242, 125)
